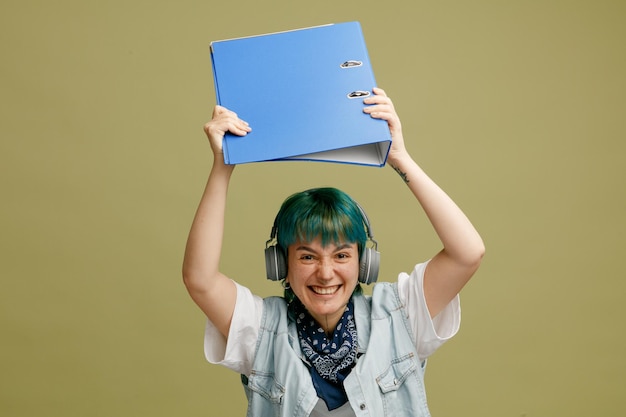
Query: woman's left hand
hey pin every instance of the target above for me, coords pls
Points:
(380, 106)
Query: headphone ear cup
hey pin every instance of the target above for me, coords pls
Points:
(275, 263)
(369, 265)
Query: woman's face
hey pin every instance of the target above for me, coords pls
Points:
(323, 278)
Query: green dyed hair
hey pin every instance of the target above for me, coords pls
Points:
(327, 212)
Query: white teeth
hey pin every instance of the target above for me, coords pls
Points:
(325, 290)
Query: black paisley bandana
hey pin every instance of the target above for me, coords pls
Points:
(332, 358)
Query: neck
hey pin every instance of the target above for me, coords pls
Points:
(328, 324)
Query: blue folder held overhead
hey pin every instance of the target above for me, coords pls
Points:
(302, 92)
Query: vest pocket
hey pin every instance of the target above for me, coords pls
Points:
(394, 376)
(266, 386)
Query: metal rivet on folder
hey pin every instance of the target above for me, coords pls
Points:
(351, 63)
(358, 94)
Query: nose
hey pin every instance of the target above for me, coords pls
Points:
(325, 269)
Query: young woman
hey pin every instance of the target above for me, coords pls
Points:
(324, 349)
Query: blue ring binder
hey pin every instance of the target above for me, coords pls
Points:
(299, 111)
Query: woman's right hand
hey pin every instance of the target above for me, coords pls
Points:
(223, 121)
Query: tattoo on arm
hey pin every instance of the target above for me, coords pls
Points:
(402, 174)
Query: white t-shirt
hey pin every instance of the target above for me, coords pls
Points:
(238, 352)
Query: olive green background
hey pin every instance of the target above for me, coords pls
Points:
(516, 108)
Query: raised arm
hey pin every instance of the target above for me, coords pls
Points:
(211, 290)
(463, 248)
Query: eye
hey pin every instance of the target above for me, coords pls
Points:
(343, 256)
(307, 257)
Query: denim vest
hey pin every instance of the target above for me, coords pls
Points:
(387, 380)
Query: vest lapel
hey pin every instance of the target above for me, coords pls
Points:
(362, 313)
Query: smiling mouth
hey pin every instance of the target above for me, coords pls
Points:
(325, 290)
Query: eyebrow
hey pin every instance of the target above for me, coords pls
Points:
(337, 249)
